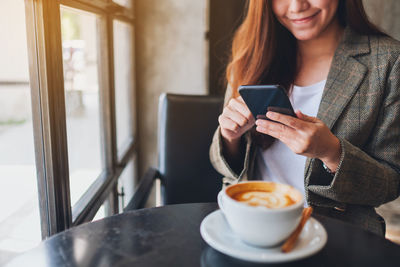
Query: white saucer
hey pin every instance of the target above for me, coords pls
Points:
(217, 233)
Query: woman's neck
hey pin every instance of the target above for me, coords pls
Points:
(315, 56)
(323, 46)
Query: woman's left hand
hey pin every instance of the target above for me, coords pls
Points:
(304, 135)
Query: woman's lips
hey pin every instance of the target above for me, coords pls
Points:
(304, 20)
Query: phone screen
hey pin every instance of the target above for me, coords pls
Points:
(263, 98)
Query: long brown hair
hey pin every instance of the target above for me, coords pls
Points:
(265, 52)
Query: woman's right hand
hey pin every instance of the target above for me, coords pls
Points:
(235, 120)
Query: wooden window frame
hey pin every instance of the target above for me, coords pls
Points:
(49, 118)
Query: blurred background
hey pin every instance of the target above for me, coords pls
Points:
(175, 46)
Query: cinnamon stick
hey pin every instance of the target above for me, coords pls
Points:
(290, 242)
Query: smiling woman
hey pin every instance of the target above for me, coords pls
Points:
(342, 76)
(307, 19)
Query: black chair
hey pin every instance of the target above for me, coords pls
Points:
(186, 124)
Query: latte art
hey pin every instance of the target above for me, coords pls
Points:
(261, 213)
(271, 200)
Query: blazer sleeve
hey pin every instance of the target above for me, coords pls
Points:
(217, 157)
(370, 177)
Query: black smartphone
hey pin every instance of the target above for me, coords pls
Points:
(263, 98)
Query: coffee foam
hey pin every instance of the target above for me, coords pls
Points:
(271, 200)
(268, 194)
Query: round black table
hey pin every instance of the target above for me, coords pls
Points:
(170, 236)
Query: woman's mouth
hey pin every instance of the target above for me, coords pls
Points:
(305, 19)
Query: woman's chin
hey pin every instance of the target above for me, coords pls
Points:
(306, 35)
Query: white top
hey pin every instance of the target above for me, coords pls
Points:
(280, 164)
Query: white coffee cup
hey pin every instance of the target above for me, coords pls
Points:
(259, 225)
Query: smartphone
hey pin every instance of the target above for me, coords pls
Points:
(263, 98)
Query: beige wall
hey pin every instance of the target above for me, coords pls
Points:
(385, 14)
(171, 56)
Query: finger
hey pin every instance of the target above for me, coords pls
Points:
(274, 134)
(277, 130)
(228, 124)
(229, 133)
(242, 108)
(289, 139)
(240, 99)
(235, 116)
(305, 117)
(287, 120)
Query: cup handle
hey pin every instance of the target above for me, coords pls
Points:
(219, 198)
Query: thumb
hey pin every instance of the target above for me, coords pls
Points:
(305, 117)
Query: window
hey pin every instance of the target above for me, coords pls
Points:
(126, 183)
(69, 148)
(82, 99)
(101, 213)
(126, 3)
(19, 204)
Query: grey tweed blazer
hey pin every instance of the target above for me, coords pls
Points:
(361, 106)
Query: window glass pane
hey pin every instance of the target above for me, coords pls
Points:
(126, 3)
(79, 41)
(19, 206)
(101, 213)
(124, 84)
(127, 182)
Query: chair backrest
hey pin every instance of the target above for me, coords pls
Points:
(186, 124)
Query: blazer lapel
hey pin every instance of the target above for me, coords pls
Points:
(345, 76)
(340, 89)
(344, 79)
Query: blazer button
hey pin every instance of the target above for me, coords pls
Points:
(339, 209)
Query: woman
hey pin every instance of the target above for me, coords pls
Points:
(344, 74)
